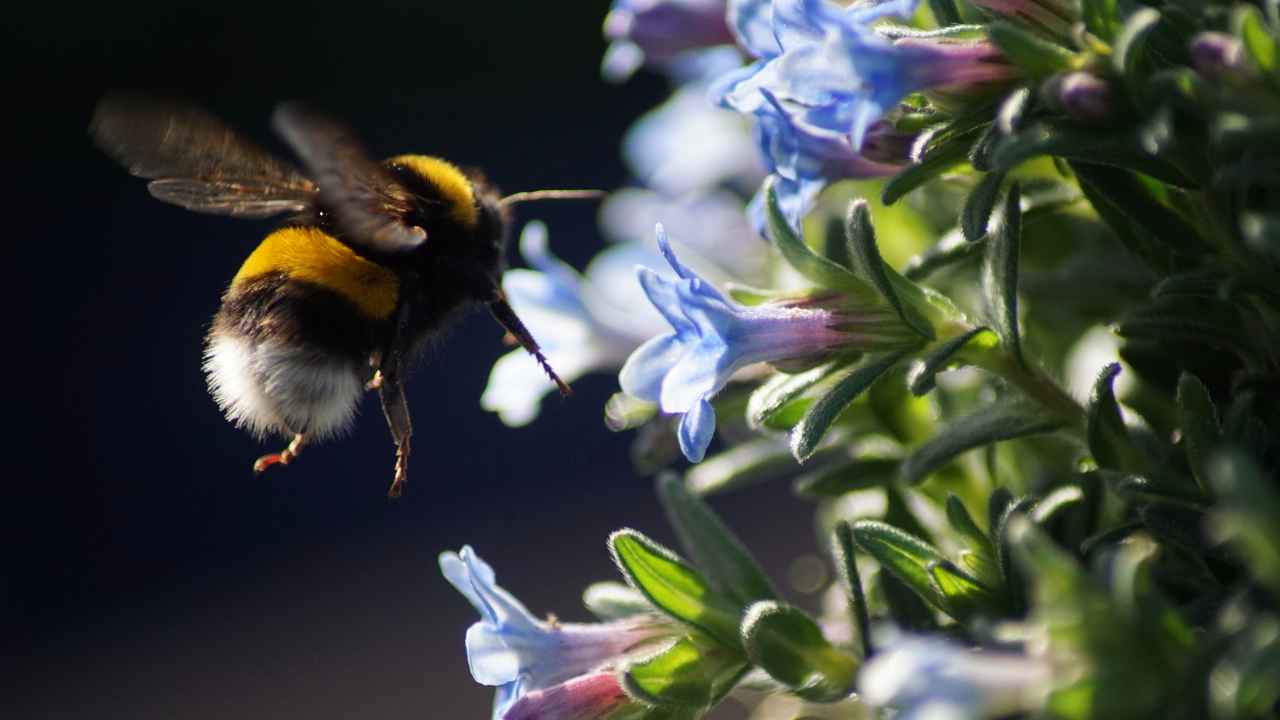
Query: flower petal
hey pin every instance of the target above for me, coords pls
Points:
(503, 610)
(664, 295)
(696, 430)
(752, 25)
(695, 376)
(642, 374)
(459, 576)
(491, 660)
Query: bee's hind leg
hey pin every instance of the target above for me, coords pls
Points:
(396, 409)
(284, 457)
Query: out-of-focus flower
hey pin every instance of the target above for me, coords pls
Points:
(585, 323)
(1217, 55)
(1052, 16)
(717, 241)
(519, 654)
(926, 677)
(1082, 96)
(589, 697)
(834, 73)
(688, 146)
(713, 337)
(654, 32)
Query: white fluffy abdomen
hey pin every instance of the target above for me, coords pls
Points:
(271, 387)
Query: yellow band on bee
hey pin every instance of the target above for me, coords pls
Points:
(453, 185)
(311, 255)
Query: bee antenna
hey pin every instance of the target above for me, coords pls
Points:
(505, 316)
(532, 195)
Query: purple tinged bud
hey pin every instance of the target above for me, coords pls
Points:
(1049, 15)
(1082, 96)
(587, 697)
(1216, 55)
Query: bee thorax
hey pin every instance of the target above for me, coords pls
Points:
(272, 387)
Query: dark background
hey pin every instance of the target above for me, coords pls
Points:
(147, 572)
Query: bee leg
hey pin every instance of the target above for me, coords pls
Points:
(284, 457)
(396, 410)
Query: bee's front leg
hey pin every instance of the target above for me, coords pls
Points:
(396, 410)
(386, 379)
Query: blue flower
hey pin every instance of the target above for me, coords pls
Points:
(806, 160)
(926, 677)
(836, 74)
(657, 32)
(713, 337)
(689, 146)
(586, 322)
(519, 654)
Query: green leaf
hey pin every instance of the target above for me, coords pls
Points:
(1248, 514)
(806, 435)
(781, 390)
(1129, 54)
(945, 12)
(693, 672)
(1198, 422)
(1000, 272)
(904, 555)
(727, 563)
(1001, 421)
(814, 267)
(613, 600)
(1001, 511)
(674, 587)
(844, 478)
(751, 462)
(1257, 40)
(924, 372)
(847, 566)
(1108, 437)
(1116, 148)
(1100, 17)
(788, 645)
(1163, 231)
(937, 159)
(864, 254)
(1049, 505)
(949, 250)
(979, 205)
(1034, 55)
(962, 522)
(964, 596)
(624, 412)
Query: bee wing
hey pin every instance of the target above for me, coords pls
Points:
(195, 161)
(368, 205)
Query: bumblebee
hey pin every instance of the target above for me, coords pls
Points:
(371, 261)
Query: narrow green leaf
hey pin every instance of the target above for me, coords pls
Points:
(1001, 421)
(949, 250)
(1000, 272)
(865, 256)
(725, 561)
(945, 12)
(693, 672)
(905, 555)
(979, 205)
(806, 435)
(674, 587)
(1109, 440)
(1249, 513)
(962, 522)
(847, 566)
(1162, 227)
(936, 160)
(814, 267)
(846, 477)
(1000, 537)
(1258, 42)
(923, 374)
(779, 391)
(613, 600)
(1034, 55)
(788, 645)
(1198, 421)
(1049, 505)
(751, 462)
(963, 595)
(1100, 17)
(1116, 148)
